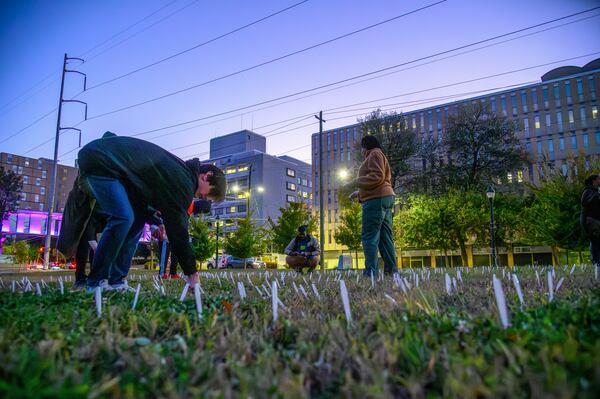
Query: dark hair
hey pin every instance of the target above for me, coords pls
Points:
(369, 142)
(217, 180)
(302, 229)
(590, 179)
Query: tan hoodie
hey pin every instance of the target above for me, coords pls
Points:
(374, 176)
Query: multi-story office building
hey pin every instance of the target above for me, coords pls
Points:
(256, 181)
(36, 174)
(557, 118)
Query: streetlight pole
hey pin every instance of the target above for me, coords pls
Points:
(490, 193)
(217, 248)
(321, 202)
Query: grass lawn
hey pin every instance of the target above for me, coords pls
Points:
(407, 339)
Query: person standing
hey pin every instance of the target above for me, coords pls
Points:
(125, 176)
(375, 193)
(590, 215)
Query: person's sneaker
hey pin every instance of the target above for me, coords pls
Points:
(103, 284)
(78, 286)
(165, 276)
(175, 276)
(122, 287)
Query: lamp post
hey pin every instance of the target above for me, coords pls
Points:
(490, 193)
(217, 248)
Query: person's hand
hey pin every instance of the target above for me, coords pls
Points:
(353, 195)
(293, 253)
(193, 279)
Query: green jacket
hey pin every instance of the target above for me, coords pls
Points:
(153, 177)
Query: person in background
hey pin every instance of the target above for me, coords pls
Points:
(125, 176)
(303, 251)
(590, 215)
(375, 193)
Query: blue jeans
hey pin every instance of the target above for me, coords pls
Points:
(120, 237)
(377, 234)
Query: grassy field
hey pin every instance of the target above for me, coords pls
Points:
(406, 339)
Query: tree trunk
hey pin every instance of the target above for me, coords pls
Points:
(356, 255)
(463, 253)
(554, 255)
(580, 258)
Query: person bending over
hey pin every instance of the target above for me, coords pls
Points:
(302, 251)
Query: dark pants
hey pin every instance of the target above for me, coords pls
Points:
(595, 251)
(121, 235)
(84, 250)
(377, 234)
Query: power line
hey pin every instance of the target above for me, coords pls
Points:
(28, 126)
(197, 46)
(265, 62)
(357, 76)
(87, 51)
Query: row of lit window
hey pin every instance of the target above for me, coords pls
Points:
(236, 168)
(585, 141)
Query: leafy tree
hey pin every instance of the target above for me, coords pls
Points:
(203, 243)
(444, 222)
(21, 251)
(482, 147)
(11, 185)
(397, 141)
(553, 216)
(348, 232)
(246, 241)
(294, 215)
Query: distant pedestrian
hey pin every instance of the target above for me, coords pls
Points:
(375, 192)
(303, 251)
(590, 215)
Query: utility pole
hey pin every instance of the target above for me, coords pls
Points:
(55, 159)
(217, 249)
(321, 211)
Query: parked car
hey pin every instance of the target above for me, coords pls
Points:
(238, 263)
(222, 261)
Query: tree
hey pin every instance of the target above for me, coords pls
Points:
(21, 252)
(482, 148)
(397, 141)
(291, 217)
(246, 241)
(348, 232)
(203, 244)
(444, 222)
(11, 185)
(553, 216)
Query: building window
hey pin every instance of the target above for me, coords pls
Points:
(524, 100)
(291, 186)
(25, 179)
(550, 146)
(290, 172)
(580, 89)
(503, 104)
(565, 169)
(241, 208)
(539, 147)
(44, 174)
(329, 231)
(582, 115)
(37, 198)
(586, 140)
(592, 87)
(545, 94)
(243, 168)
(526, 125)
(520, 176)
(597, 134)
(528, 145)
(513, 102)
(23, 196)
(9, 158)
(43, 190)
(573, 141)
(548, 123)
(509, 177)
(41, 208)
(571, 117)
(290, 198)
(38, 181)
(493, 104)
(594, 111)
(537, 122)
(40, 164)
(20, 170)
(231, 209)
(561, 143)
(534, 98)
(556, 92)
(26, 161)
(559, 121)
(568, 92)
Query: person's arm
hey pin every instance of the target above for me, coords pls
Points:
(290, 248)
(375, 176)
(176, 224)
(590, 199)
(315, 245)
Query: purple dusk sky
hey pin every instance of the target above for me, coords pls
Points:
(36, 34)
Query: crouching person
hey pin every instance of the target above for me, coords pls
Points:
(123, 177)
(303, 251)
